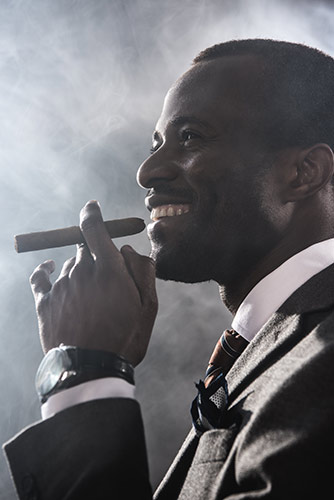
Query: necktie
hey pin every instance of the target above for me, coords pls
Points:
(212, 398)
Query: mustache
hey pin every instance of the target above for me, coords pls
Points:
(165, 189)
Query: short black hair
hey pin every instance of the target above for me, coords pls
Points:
(297, 90)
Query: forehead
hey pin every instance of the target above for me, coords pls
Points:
(215, 91)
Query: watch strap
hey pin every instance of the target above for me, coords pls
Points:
(91, 364)
(91, 360)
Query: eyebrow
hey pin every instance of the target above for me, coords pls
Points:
(181, 120)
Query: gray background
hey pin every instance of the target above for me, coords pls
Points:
(81, 87)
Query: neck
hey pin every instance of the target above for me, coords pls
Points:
(233, 293)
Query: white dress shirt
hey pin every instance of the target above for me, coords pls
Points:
(261, 302)
(101, 388)
(275, 288)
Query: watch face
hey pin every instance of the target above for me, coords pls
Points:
(52, 367)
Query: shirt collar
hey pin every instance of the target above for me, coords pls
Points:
(275, 288)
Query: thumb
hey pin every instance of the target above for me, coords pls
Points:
(142, 270)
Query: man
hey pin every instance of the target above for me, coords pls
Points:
(240, 188)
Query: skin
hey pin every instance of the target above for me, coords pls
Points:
(103, 298)
(250, 210)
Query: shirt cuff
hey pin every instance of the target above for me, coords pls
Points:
(102, 388)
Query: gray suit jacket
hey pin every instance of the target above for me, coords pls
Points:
(277, 441)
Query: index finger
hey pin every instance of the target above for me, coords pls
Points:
(40, 279)
(97, 238)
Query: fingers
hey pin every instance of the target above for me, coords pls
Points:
(82, 261)
(142, 270)
(40, 278)
(66, 268)
(83, 255)
(96, 235)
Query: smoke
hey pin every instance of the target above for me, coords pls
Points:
(81, 86)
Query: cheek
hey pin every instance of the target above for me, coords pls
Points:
(217, 180)
(267, 201)
(208, 181)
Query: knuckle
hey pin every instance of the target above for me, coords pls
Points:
(41, 304)
(90, 219)
(83, 253)
(59, 283)
(84, 258)
(148, 260)
(70, 262)
(36, 276)
(79, 271)
(68, 265)
(74, 271)
(88, 223)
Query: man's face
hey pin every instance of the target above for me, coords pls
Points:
(210, 184)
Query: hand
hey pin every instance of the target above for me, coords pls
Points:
(103, 298)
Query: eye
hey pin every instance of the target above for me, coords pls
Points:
(156, 143)
(189, 135)
(154, 148)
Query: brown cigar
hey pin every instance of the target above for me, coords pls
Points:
(72, 235)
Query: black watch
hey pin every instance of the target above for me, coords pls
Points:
(67, 366)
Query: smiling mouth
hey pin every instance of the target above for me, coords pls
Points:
(169, 211)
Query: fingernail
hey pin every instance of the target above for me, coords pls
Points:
(51, 265)
(81, 245)
(127, 248)
(93, 202)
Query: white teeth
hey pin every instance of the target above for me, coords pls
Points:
(169, 211)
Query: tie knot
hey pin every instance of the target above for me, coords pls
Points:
(233, 343)
(227, 350)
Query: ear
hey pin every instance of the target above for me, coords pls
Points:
(312, 170)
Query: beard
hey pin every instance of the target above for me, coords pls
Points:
(223, 249)
(183, 259)
(194, 259)
(224, 237)
(196, 252)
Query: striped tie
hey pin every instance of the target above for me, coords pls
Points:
(212, 398)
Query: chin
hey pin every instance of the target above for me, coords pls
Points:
(181, 264)
(167, 272)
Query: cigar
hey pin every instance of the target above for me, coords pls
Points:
(72, 235)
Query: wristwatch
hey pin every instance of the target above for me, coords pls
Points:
(68, 366)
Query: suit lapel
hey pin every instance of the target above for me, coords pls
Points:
(284, 329)
(172, 483)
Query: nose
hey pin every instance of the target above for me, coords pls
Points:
(156, 169)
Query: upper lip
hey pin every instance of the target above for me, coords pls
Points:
(156, 200)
